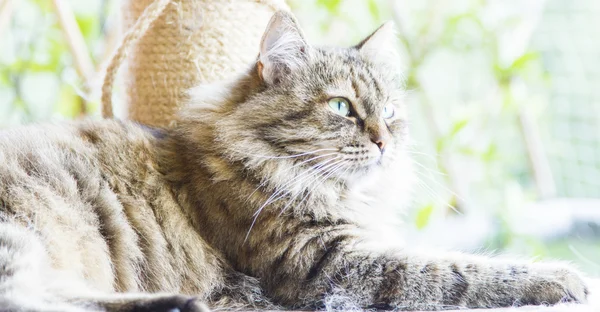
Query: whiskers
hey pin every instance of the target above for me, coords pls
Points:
(286, 156)
(335, 170)
(425, 179)
(289, 171)
(305, 182)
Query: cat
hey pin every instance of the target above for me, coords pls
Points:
(272, 190)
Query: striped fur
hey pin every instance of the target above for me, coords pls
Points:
(259, 196)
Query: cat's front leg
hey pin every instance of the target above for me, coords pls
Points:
(453, 281)
(342, 275)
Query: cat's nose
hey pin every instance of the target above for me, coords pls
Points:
(379, 141)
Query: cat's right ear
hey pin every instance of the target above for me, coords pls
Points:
(282, 48)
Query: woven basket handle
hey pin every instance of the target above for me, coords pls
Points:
(150, 14)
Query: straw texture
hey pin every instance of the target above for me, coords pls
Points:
(173, 45)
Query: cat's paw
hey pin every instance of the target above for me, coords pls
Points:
(176, 303)
(551, 284)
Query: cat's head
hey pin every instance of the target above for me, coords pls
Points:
(339, 110)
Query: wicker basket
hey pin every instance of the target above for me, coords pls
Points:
(173, 45)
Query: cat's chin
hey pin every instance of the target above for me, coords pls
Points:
(370, 168)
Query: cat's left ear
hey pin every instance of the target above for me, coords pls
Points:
(282, 49)
(382, 45)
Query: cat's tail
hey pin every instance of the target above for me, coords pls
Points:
(28, 283)
(24, 269)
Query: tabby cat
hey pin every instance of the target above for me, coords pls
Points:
(271, 191)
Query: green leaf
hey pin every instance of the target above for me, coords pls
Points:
(440, 145)
(331, 5)
(39, 67)
(457, 127)
(4, 81)
(524, 60)
(68, 102)
(374, 10)
(423, 216)
(490, 154)
(464, 150)
(88, 26)
(46, 6)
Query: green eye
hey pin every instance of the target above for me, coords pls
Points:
(340, 106)
(388, 111)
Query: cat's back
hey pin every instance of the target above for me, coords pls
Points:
(105, 140)
(45, 152)
(69, 183)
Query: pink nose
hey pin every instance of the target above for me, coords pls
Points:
(379, 141)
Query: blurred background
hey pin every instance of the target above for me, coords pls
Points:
(504, 100)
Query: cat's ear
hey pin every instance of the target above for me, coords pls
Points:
(382, 45)
(282, 49)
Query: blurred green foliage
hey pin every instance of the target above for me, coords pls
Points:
(38, 80)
